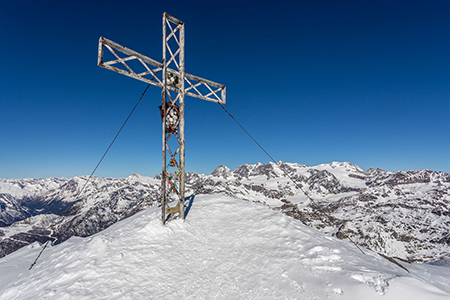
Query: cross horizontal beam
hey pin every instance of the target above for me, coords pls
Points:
(195, 86)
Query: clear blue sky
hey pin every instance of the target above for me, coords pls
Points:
(366, 82)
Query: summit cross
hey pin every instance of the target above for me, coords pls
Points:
(170, 76)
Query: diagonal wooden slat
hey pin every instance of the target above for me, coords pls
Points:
(172, 33)
(173, 57)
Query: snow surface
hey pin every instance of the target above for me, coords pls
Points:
(225, 249)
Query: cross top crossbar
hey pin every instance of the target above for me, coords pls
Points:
(216, 92)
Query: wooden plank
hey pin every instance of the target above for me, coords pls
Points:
(199, 79)
(132, 75)
(205, 98)
(120, 60)
(172, 210)
(130, 52)
(164, 110)
(173, 19)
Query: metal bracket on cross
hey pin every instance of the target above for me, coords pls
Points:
(170, 76)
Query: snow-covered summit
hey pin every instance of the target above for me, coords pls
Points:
(346, 165)
(225, 249)
(221, 171)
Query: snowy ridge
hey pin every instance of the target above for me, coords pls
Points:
(401, 214)
(225, 249)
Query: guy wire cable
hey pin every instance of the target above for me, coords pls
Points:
(92, 174)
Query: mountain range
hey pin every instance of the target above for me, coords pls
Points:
(405, 215)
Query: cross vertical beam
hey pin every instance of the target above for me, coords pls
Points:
(173, 31)
(175, 83)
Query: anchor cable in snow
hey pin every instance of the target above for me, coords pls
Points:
(90, 177)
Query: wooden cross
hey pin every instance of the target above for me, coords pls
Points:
(175, 83)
